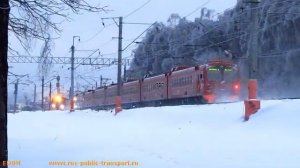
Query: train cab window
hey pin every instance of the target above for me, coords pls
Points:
(222, 73)
(214, 73)
(230, 74)
(201, 76)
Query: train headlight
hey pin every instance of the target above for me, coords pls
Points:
(75, 99)
(58, 99)
(236, 86)
(61, 106)
(53, 106)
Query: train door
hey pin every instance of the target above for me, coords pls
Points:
(200, 81)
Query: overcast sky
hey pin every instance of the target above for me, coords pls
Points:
(94, 36)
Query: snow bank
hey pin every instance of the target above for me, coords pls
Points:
(208, 136)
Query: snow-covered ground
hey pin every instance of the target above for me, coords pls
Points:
(200, 136)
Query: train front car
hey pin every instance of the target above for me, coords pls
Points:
(58, 102)
(222, 82)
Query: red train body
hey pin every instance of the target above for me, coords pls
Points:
(154, 88)
(214, 81)
(131, 92)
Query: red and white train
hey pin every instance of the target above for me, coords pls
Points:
(208, 83)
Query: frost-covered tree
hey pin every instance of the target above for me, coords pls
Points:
(29, 20)
(195, 42)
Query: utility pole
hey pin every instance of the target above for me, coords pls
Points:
(253, 45)
(16, 89)
(58, 84)
(34, 97)
(124, 73)
(50, 96)
(101, 80)
(16, 95)
(120, 56)
(118, 99)
(72, 75)
(43, 93)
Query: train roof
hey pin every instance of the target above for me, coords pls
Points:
(220, 62)
(178, 68)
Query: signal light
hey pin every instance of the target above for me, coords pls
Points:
(236, 86)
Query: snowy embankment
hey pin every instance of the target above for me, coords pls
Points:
(203, 136)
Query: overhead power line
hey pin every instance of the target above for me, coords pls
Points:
(137, 23)
(106, 26)
(143, 5)
(198, 8)
(139, 36)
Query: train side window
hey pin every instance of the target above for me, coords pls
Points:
(201, 76)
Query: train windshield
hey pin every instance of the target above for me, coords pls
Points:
(220, 73)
